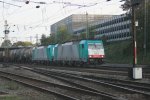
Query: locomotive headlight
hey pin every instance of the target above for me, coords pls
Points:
(102, 56)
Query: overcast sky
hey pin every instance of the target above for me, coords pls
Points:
(26, 20)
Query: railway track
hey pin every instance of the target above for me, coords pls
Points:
(3, 93)
(70, 77)
(142, 88)
(44, 86)
(110, 72)
(100, 69)
(130, 88)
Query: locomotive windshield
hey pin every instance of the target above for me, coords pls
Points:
(95, 50)
(95, 46)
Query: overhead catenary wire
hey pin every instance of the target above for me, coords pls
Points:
(50, 18)
(10, 3)
(55, 16)
(67, 3)
(3, 13)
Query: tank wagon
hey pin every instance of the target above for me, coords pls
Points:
(70, 53)
(22, 54)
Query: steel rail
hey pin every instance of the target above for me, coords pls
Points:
(65, 86)
(66, 97)
(102, 93)
(123, 71)
(99, 82)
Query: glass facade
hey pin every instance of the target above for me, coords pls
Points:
(115, 28)
(76, 21)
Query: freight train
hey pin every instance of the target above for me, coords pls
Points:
(70, 53)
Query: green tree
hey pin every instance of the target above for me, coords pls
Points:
(44, 40)
(62, 35)
(127, 5)
(52, 39)
(140, 30)
(83, 36)
(21, 43)
(6, 43)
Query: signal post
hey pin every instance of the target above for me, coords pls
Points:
(136, 70)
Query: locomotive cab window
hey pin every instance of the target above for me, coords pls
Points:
(95, 46)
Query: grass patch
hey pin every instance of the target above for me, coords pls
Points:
(9, 98)
(11, 85)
